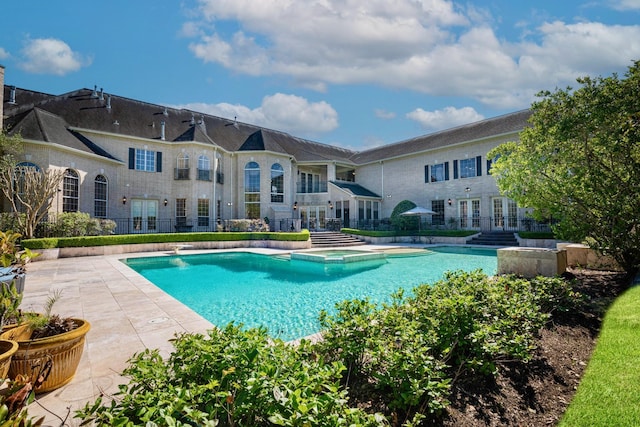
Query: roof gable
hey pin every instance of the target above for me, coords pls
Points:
(355, 189)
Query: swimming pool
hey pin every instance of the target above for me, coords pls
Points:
(286, 295)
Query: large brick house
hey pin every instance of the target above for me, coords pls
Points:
(152, 167)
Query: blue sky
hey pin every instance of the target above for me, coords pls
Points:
(353, 73)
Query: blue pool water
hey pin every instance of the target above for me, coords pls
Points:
(284, 295)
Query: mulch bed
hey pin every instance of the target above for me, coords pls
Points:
(537, 393)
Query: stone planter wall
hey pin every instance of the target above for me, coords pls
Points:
(531, 262)
(579, 255)
(537, 243)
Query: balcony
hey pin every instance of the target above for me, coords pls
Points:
(204, 175)
(181, 174)
(311, 187)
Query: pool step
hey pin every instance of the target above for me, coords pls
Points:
(322, 239)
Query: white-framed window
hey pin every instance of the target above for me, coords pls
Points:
(70, 191)
(145, 160)
(100, 187)
(203, 212)
(181, 211)
(204, 168)
(252, 190)
(467, 168)
(277, 183)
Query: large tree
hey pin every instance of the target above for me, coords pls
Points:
(27, 189)
(579, 163)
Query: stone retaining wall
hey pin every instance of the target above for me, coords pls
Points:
(47, 254)
(531, 262)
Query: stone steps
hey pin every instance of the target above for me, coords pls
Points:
(495, 238)
(321, 239)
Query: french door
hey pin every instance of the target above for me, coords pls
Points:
(469, 212)
(504, 213)
(313, 217)
(144, 214)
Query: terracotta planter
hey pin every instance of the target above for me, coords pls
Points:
(64, 351)
(7, 350)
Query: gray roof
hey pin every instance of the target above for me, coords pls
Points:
(355, 189)
(41, 125)
(49, 118)
(509, 123)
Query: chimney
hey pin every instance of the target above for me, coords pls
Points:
(108, 106)
(162, 124)
(1, 98)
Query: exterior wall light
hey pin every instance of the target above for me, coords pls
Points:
(166, 202)
(124, 200)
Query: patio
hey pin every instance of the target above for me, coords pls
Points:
(127, 314)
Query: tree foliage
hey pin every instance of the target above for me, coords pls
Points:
(28, 190)
(400, 222)
(579, 162)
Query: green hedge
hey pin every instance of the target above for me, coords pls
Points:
(536, 235)
(441, 233)
(129, 239)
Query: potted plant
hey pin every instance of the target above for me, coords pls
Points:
(46, 339)
(13, 260)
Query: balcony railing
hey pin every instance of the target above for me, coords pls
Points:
(313, 187)
(181, 173)
(204, 175)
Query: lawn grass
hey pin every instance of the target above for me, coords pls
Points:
(609, 393)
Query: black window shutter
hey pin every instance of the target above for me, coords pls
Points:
(489, 167)
(426, 174)
(455, 169)
(158, 161)
(446, 171)
(479, 166)
(132, 158)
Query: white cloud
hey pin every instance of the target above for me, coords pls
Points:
(626, 4)
(3, 53)
(51, 56)
(434, 47)
(288, 113)
(383, 114)
(445, 118)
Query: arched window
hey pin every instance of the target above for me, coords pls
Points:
(182, 167)
(204, 168)
(70, 191)
(252, 190)
(277, 183)
(100, 197)
(22, 169)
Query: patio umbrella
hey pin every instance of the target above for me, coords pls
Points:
(419, 212)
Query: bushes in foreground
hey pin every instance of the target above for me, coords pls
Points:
(397, 361)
